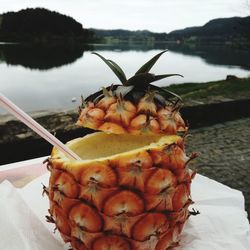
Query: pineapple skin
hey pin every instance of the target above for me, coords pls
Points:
(138, 200)
(116, 115)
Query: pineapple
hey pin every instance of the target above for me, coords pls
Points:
(135, 107)
(131, 190)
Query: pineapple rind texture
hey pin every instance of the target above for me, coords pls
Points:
(134, 200)
(117, 115)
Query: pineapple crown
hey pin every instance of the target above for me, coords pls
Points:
(140, 82)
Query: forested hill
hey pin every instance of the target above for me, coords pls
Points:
(39, 23)
(229, 27)
(220, 30)
(44, 25)
(122, 34)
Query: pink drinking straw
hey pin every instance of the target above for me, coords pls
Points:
(31, 123)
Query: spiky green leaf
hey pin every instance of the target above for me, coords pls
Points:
(119, 69)
(144, 79)
(159, 77)
(148, 65)
(141, 79)
(113, 68)
(167, 93)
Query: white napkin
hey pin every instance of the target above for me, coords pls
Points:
(20, 229)
(222, 224)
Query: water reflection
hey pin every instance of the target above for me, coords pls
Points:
(44, 57)
(40, 57)
(216, 55)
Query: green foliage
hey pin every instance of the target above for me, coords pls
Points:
(233, 89)
(142, 77)
(41, 24)
(220, 29)
(120, 35)
(114, 67)
(148, 65)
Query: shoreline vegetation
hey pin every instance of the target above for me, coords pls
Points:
(230, 89)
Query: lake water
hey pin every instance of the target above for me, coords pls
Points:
(47, 78)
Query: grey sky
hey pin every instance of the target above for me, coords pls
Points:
(155, 15)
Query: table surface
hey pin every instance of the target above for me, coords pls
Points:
(21, 173)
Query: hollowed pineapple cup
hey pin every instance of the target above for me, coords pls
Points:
(127, 192)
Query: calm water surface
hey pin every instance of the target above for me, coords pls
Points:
(47, 78)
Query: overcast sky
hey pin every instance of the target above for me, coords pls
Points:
(154, 15)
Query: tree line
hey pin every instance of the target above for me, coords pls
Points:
(40, 23)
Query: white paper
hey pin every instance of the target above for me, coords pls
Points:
(20, 229)
(222, 224)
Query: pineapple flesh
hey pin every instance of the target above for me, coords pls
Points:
(131, 190)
